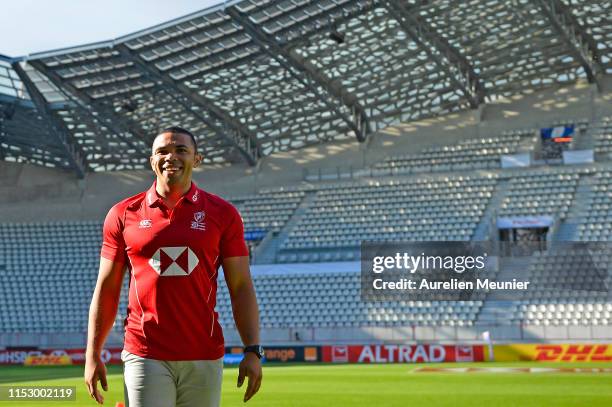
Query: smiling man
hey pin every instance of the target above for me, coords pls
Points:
(173, 238)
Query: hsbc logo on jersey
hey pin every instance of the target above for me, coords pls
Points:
(174, 261)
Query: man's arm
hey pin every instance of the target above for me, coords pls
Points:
(246, 316)
(102, 312)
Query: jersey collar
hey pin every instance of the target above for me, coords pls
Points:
(153, 199)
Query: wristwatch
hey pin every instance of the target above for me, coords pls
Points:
(256, 349)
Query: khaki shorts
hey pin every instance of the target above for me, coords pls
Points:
(157, 383)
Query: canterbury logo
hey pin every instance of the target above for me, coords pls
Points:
(174, 261)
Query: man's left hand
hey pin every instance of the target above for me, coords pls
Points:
(250, 367)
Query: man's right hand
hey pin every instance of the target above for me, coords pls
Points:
(94, 371)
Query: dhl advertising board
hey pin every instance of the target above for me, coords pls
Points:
(551, 353)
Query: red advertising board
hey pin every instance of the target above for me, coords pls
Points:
(16, 356)
(424, 353)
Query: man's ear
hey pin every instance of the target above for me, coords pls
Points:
(198, 160)
(152, 163)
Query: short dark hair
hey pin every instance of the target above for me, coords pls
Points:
(179, 130)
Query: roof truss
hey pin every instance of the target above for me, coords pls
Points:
(582, 46)
(445, 56)
(105, 115)
(56, 126)
(331, 93)
(221, 122)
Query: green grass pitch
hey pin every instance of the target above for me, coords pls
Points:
(365, 385)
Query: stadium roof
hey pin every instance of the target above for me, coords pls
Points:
(254, 77)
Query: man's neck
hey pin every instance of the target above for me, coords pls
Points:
(171, 193)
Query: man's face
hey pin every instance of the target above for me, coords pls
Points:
(173, 158)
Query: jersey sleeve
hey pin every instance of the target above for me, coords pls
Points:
(113, 245)
(232, 241)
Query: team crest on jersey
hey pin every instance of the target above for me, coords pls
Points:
(145, 224)
(198, 221)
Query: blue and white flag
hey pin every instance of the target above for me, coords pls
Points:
(557, 132)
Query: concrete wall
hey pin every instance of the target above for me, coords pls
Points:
(373, 335)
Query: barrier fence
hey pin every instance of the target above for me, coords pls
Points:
(358, 353)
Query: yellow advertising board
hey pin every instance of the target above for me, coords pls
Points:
(551, 353)
(46, 360)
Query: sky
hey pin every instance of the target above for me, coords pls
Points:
(29, 26)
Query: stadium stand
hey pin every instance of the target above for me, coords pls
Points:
(602, 132)
(470, 154)
(543, 192)
(47, 268)
(343, 215)
(299, 300)
(597, 222)
(58, 260)
(569, 291)
(420, 97)
(267, 211)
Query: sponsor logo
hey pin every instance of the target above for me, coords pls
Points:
(17, 357)
(402, 353)
(573, 353)
(232, 359)
(47, 360)
(310, 354)
(280, 354)
(198, 221)
(339, 354)
(174, 261)
(54, 356)
(393, 353)
(145, 223)
(464, 353)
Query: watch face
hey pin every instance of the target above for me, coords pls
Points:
(260, 350)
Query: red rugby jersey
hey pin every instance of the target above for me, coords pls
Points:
(173, 257)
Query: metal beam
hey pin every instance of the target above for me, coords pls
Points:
(107, 117)
(57, 127)
(309, 76)
(447, 57)
(227, 127)
(318, 23)
(582, 46)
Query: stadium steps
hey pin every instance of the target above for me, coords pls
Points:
(585, 140)
(483, 230)
(499, 305)
(267, 250)
(496, 312)
(568, 229)
(527, 144)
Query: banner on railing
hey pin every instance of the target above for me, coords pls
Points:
(552, 353)
(19, 356)
(423, 353)
(283, 353)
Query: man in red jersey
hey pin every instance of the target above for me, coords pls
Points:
(173, 238)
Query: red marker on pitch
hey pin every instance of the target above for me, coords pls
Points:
(119, 404)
